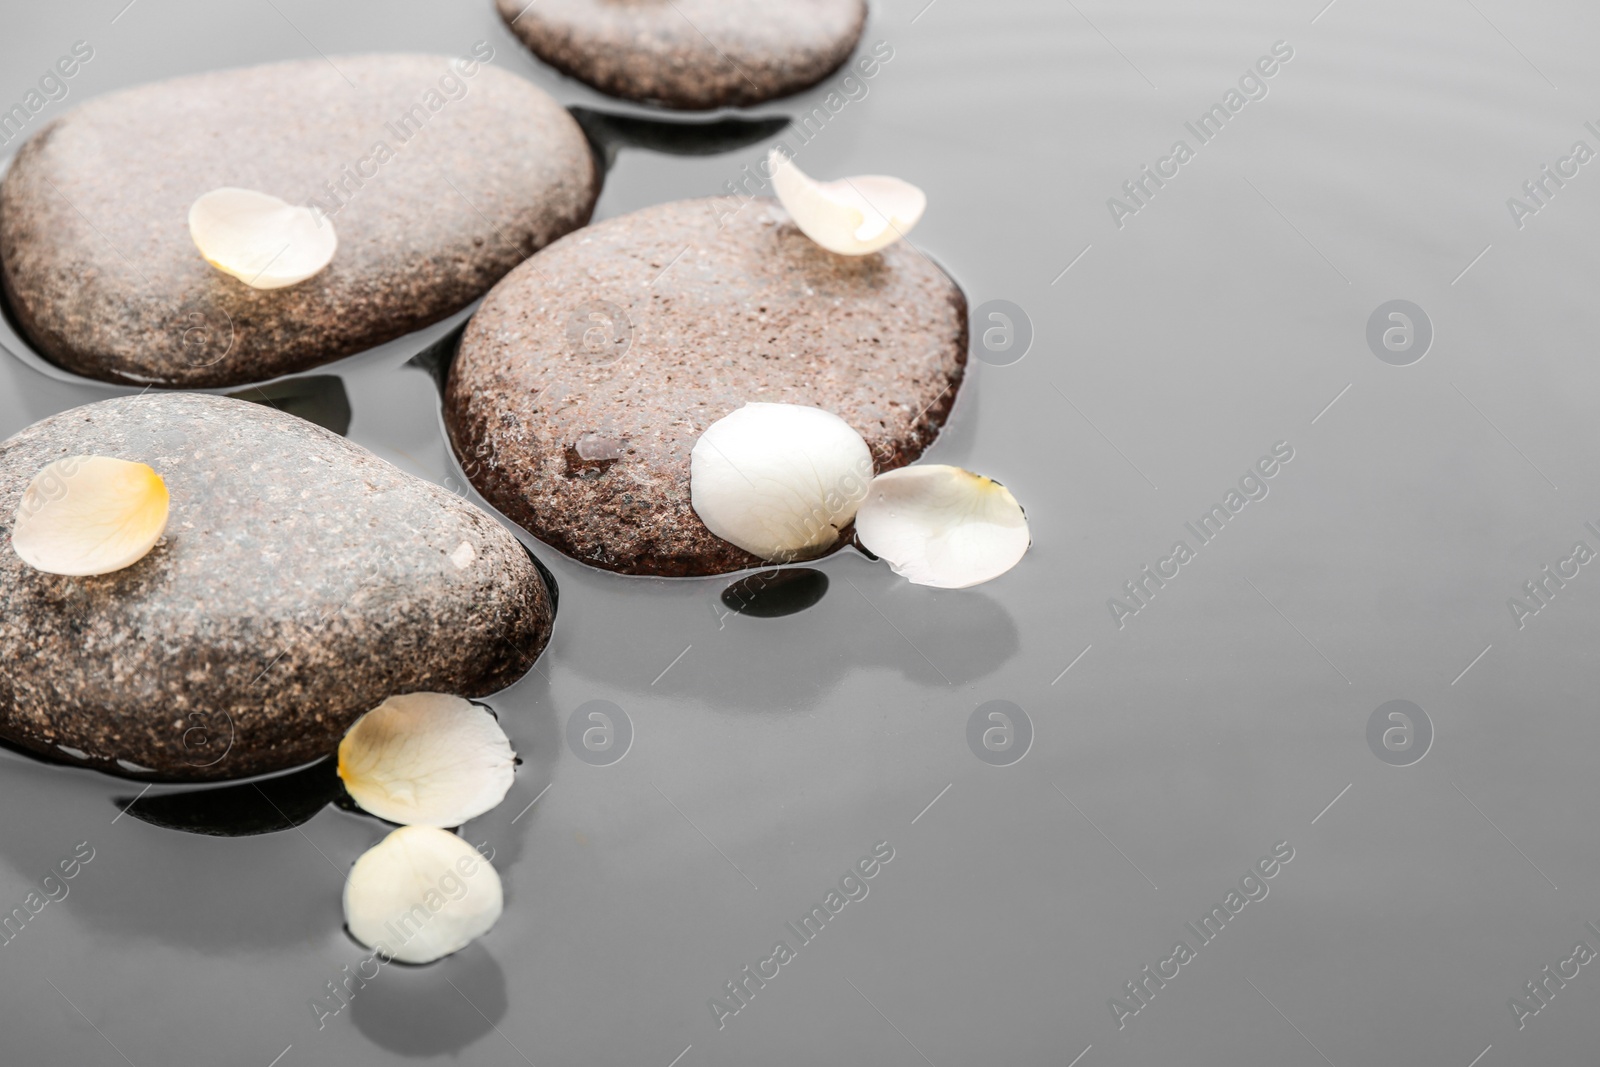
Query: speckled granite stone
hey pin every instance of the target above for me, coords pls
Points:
(586, 377)
(94, 239)
(691, 54)
(301, 581)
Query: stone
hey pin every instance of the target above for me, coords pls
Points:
(691, 54)
(585, 378)
(438, 174)
(301, 581)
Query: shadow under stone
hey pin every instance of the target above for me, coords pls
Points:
(318, 398)
(435, 360)
(610, 133)
(280, 803)
(784, 659)
(776, 593)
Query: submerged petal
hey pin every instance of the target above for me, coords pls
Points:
(852, 216)
(427, 759)
(779, 480)
(943, 526)
(259, 239)
(87, 515)
(420, 894)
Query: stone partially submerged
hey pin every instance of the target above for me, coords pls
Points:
(586, 378)
(439, 174)
(691, 54)
(301, 582)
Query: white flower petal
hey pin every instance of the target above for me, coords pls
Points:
(779, 480)
(943, 526)
(259, 239)
(420, 894)
(427, 759)
(852, 216)
(87, 515)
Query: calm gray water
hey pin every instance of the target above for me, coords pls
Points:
(1229, 716)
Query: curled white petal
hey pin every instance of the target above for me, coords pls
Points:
(852, 216)
(259, 239)
(87, 515)
(943, 526)
(420, 894)
(779, 480)
(427, 759)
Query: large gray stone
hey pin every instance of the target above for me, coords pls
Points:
(302, 580)
(586, 377)
(481, 170)
(691, 54)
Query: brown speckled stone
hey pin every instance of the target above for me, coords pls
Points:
(301, 581)
(94, 236)
(691, 54)
(584, 439)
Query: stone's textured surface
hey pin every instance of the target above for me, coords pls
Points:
(301, 581)
(691, 54)
(585, 439)
(94, 237)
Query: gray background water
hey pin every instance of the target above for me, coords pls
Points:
(1224, 718)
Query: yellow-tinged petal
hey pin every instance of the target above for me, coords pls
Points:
(943, 526)
(87, 515)
(852, 216)
(261, 240)
(427, 759)
(421, 894)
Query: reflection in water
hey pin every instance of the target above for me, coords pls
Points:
(280, 803)
(318, 398)
(774, 594)
(550, 584)
(27, 395)
(435, 360)
(27, 392)
(214, 895)
(527, 714)
(870, 619)
(610, 133)
(433, 1009)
